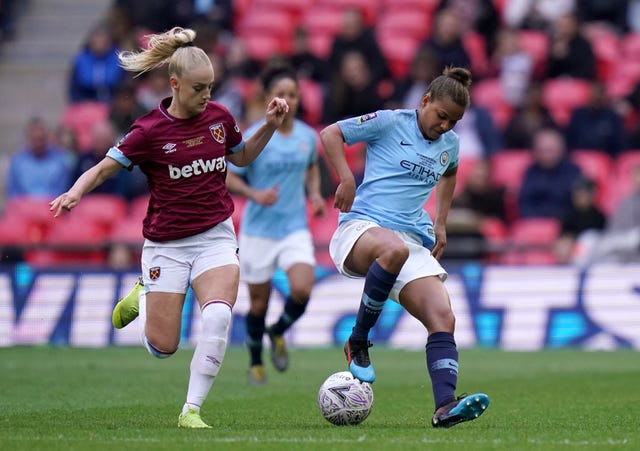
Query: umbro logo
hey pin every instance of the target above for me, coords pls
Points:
(169, 147)
(404, 143)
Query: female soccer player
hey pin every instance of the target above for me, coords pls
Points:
(183, 147)
(385, 236)
(274, 231)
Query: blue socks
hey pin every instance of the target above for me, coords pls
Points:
(377, 286)
(292, 311)
(442, 363)
(255, 331)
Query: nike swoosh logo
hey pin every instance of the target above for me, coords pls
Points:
(404, 143)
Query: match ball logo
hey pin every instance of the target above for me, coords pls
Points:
(217, 131)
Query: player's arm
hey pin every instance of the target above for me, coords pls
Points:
(312, 185)
(88, 181)
(444, 196)
(333, 142)
(276, 111)
(237, 185)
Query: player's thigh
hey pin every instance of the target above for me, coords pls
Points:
(427, 300)
(220, 283)
(164, 319)
(371, 244)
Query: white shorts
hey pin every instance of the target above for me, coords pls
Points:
(260, 256)
(170, 266)
(419, 264)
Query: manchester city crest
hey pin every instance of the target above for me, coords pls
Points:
(444, 158)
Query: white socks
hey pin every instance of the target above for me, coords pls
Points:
(209, 352)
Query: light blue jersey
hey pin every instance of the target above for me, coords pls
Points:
(401, 170)
(283, 162)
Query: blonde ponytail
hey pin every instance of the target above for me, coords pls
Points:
(173, 47)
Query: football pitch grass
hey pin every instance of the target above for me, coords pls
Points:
(54, 398)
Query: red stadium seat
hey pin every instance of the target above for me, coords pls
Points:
(562, 95)
(416, 24)
(507, 169)
(261, 47)
(536, 44)
(489, 94)
(311, 99)
(369, 8)
(138, 207)
(81, 117)
(399, 51)
(530, 242)
(476, 48)
(322, 20)
(596, 165)
(416, 6)
(606, 48)
(127, 231)
(16, 231)
(322, 228)
(71, 240)
(630, 45)
(239, 203)
(104, 210)
(465, 166)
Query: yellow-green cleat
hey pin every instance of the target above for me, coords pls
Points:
(191, 420)
(126, 310)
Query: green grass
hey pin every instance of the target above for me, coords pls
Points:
(121, 399)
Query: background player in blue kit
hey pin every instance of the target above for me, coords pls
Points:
(385, 236)
(274, 231)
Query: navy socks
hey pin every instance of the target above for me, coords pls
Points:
(377, 286)
(442, 363)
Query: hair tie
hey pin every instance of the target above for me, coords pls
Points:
(187, 44)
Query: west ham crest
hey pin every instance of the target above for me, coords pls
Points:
(154, 273)
(217, 131)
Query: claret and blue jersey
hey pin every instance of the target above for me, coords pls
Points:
(402, 169)
(283, 163)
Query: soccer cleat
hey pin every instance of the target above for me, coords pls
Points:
(191, 420)
(126, 310)
(464, 408)
(357, 354)
(257, 375)
(279, 354)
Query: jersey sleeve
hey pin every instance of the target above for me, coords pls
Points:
(131, 149)
(235, 141)
(368, 127)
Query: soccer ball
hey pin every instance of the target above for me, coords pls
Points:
(344, 400)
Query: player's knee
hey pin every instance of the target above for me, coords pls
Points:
(300, 295)
(216, 318)
(160, 347)
(258, 307)
(396, 254)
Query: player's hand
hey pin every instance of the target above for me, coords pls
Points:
(318, 205)
(345, 194)
(65, 201)
(441, 241)
(266, 197)
(276, 111)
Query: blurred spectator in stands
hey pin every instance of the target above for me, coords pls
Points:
(513, 66)
(527, 120)
(153, 88)
(352, 91)
(356, 36)
(445, 41)
(549, 180)
(125, 108)
(9, 10)
(40, 168)
(66, 139)
(479, 200)
(583, 216)
(95, 71)
(103, 137)
(157, 15)
(215, 14)
(225, 90)
(307, 64)
(479, 136)
(122, 31)
(238, 61)
(535, 14)
(408, 92)
(597, 125)
(480, 16)
(620, 241)
(570, 53)
(611, 13)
